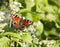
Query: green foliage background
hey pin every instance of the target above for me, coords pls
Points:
(45, 31)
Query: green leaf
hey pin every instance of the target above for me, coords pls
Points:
(49, 9)
(22, 45)
(51, 32)
(29, 4)
(57, 2)
(39, 28)
(29, 16)
(55, 45)
(15, 39)
(11, 34)
(52, 17)
(4, 42)
(57, 25)
(40, 5)
(26, 37)
(32, 16)
(35, 18)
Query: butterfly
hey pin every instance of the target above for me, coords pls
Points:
(20, 23)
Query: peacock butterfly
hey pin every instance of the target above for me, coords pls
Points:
(20, 23)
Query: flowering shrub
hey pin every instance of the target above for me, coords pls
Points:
(45, 30)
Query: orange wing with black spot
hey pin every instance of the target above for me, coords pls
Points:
(20, 23)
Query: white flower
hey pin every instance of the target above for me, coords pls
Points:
(39, 22)
(15, 6)
(2, 13)
(16, 3)
(1, 19)
(36, 40)
(1, 30)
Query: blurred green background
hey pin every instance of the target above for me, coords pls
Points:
(45, 31)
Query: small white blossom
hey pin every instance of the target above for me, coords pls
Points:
(39, 22)
(23, 17)
(36, 40)
(15, 6)
(48, 43)
(1, 30)
(31, 28)
(43, 15)
(3, 25)
(2, 13)
(16, 3)
(21, 33)
(1, 19)
(33, 36)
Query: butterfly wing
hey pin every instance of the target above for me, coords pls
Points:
(17, 22)
(27, 23)
(20, 23)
